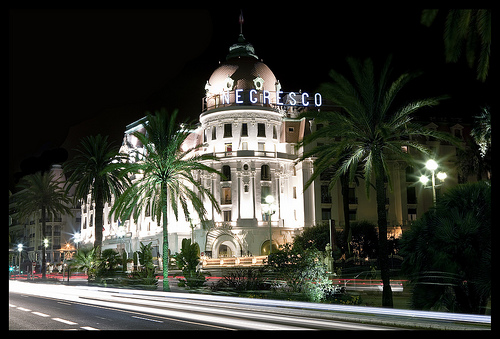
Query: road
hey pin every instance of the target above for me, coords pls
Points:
(28, 312)
(55, 307)
(37, 306)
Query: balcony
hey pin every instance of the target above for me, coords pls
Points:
(250, 153)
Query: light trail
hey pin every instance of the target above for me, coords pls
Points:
(159, 301)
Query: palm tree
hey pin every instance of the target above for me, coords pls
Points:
(95, 170)
(41, 191)
(468, 29)
(86, 259)
(166, 177)
(371, 131)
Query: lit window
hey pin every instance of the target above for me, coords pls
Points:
(226, 195)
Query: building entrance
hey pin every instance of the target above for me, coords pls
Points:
(225, 246)
(225, 251)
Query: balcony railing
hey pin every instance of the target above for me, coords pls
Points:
(250, 153)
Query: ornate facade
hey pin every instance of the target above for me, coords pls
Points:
(252, 128)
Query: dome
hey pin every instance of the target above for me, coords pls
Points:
(245, 73)
(242, 72)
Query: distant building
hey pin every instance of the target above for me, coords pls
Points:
(59, 232)
(251, 126)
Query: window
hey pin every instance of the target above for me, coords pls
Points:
(325, 195)
(229, 149)
(244, 145)
(265, 173)
(226, 215)
(214, 133)
(410, 174)
(226, 195)
(275, 133)
(228, 130)
(352, 215)
(412, 214)
(294, 192)
(226, 172)
(260, 146)
(244, 129)
(264, 192)
(353, 199)
(326, 214)
(261, 130)
(411, 195)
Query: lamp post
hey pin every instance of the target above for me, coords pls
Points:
(76, 239)
(20, 249)
(432, 165)
(269, 209)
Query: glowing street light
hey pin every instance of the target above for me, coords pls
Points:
(20, 249)
(77, 237)
(441, 175)
(432, 166)
(424, 179)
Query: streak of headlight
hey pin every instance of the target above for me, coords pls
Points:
(83, 291)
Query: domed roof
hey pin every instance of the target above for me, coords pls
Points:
(242, 73)
(242, 70)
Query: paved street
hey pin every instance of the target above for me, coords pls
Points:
(40, 313)
(58, 307)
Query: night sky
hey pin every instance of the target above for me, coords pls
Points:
(75, 73)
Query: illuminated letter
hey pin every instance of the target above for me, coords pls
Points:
(225, 98)
(278, 98)
(318, 100)
(266, 96)
(293, 102)
(252, 99)
(304, 100)
(238, 96)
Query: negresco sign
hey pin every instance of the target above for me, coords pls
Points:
(253, 96)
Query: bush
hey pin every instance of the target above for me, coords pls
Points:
(242, 279)
(188, 261)
(303, 271)
(447, 252)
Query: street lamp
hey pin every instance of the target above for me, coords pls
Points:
(77, 238)
(269, 208)
(432, 166)
(20, 249)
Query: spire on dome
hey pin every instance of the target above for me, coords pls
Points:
(241, 22)
(242, 48)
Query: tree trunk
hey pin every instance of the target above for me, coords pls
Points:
(344, 181)
(99, 207)
(166, 286)
(44, 254)
(382, 235)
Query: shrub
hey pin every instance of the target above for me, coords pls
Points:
(242, 279)
(188, 261)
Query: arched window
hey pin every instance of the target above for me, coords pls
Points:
(226, 172)
(265, 173)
